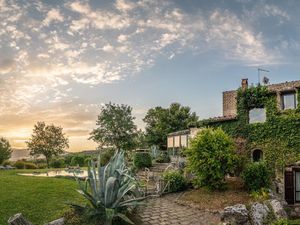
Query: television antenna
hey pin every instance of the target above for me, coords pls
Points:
(259, 70)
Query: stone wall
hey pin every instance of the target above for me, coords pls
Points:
(230, 97)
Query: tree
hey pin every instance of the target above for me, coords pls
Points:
(47, 140)
(5, 150)
(161, 121)
(210, 157)
(115, 127)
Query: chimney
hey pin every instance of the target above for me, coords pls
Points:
(244, 84)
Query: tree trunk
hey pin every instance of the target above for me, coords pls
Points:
(18, 219)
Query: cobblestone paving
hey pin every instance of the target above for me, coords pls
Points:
(165, 211)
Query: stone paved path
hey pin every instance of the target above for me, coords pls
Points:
(165, 211)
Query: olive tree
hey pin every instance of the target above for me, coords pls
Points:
(210, 157)
(5, 150)
(161, 121)
(47, 140)
(115, 127)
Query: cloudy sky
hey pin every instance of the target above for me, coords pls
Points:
(61, 59)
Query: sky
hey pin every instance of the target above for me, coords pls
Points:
(60, 60)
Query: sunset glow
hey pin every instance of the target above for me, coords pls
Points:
(60, 60)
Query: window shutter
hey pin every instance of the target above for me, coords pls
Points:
(289, 187)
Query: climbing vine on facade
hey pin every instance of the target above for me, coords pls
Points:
(280, 126)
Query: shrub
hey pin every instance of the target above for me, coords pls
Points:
(142, 160)
(20, 165)
(175, 179)
(256, 176)
(28, 165)
(7, 163)
(57, 163)
(68, 159)
(42, 166)
(25, 165)
(163, 157)
(77, 160)
(210, 157)
(261, 195)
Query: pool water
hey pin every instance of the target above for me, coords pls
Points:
(58, 173)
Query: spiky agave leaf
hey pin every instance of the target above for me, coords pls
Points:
(124, 217)
(110, 189)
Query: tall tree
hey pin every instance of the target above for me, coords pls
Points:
(5, 150)
(47, 140)
(116, 127)
(161, 121)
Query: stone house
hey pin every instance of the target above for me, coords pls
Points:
(254, 116)
(286, 95)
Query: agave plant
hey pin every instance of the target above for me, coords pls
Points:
(111, 190)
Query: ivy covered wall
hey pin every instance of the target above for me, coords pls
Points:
(282, 128)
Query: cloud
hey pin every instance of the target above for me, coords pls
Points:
(99, 19)
(6, 66)
(52, 16)
(124, 5)
(241, 43)
(108, 48)
(264, 10)
(78, 45)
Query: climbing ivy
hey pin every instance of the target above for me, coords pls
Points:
(280, 127)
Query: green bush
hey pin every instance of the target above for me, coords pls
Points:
(175, 179)
(256, 176)
(142, 160)
(68, 159)
(211, 157)
(57, 163)
(163, 157)
(42, 166)
(25, 165)
(7, 163)
(261, 195)
(20, 164)
(78, 160)
(28, 165)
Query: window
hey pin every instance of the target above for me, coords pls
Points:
(257, 155)
(170, 142)
(289, 101)
(257, 115)
(183, 140)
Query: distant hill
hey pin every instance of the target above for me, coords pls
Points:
(86, 152)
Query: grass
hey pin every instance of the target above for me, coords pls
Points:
(203, 198)
(39, 199)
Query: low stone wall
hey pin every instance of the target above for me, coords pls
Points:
(19, 219)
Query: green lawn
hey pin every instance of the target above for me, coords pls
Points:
(40, 199)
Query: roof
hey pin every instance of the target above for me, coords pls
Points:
(181, 132)
(281, 87)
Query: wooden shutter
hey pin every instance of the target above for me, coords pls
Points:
(289, 187)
